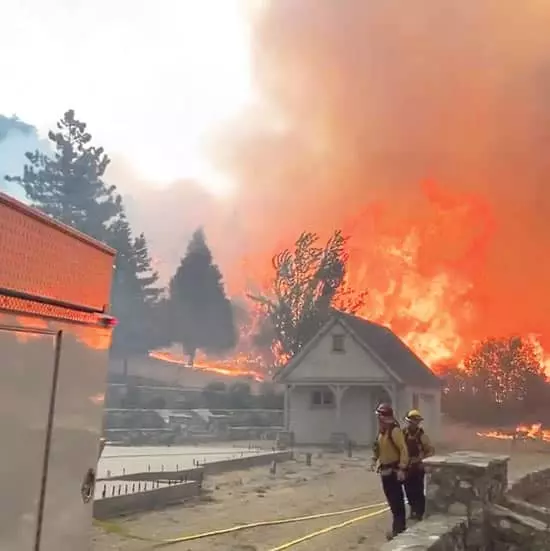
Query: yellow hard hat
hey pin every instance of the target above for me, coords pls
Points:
(414, 415)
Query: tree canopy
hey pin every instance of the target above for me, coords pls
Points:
(202, 315)
(69, 186)
(308, 282)
(501, 379)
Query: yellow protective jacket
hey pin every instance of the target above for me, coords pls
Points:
(391, 451)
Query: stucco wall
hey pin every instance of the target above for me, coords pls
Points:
(310, 425)
(357, 415)
(429, 404)
(314, 424)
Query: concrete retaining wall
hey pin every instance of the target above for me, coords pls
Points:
(247, 462)
(215, 467)
(189, 474)
(110, 507)
(189, 485)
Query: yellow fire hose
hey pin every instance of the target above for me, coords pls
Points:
(328, 529)
(119, 530)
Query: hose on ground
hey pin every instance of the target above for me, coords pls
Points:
(115, 528)
(312, 535)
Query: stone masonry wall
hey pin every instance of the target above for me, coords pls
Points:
(460, 488)
(471, 508)
(531, 485)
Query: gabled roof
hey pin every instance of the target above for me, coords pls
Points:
(382, 343)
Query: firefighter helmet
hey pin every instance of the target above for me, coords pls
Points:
(384, 410)
(414, 415)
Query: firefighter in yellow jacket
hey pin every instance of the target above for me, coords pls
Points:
(419, 447)
(390, 459)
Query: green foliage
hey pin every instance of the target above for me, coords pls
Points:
(217, 395)
(502, 381)
(201, 314)
(69, 186)
(216, 386)
(158, 402)
(132, 399)
(240, 395)
(308, 283)
(134, 294)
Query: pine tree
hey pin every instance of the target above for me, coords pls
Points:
(148, 277)
(126, 299)
(69, 185)
(202, 314)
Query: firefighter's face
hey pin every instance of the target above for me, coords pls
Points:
(385, 419)
(413, 423)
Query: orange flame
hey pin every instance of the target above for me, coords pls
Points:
(423, 271)
(522, 432)
(237, 366)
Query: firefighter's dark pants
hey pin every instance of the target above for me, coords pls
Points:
(414, 488)
(393, 490)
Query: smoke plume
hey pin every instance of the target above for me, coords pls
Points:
(420, 128)
(366, 101)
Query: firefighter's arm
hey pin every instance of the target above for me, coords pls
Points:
(375, 455)
(399, 440)
(427, 448)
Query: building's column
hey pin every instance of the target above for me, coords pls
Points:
(338, 392)
(287, 407)
(464, 484)
(392, 393)
(436, 421)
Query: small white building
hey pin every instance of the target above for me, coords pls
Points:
(335, 382)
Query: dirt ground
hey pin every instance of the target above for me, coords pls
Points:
(333, 482)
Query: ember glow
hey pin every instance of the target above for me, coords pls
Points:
(522, 432)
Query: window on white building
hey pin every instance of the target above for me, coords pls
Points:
(322, 398)
(338, 343)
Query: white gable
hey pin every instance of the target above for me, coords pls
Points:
(321, 363)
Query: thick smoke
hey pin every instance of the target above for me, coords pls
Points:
(366, 100)
(362, 102)
(16, 138)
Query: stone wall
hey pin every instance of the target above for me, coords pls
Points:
(471, 507)
(460, 488)
(531, 485)
(511, 531)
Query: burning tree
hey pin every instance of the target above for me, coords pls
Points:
(501, 378)
(309, 281)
